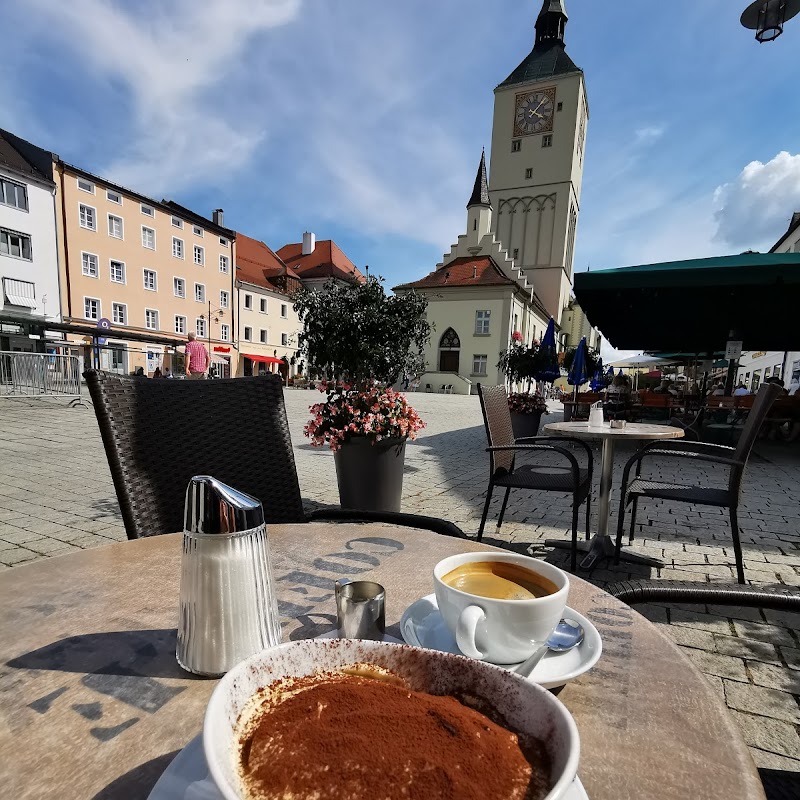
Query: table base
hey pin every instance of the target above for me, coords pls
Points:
(601, 546)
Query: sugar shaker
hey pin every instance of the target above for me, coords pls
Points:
(228, 609)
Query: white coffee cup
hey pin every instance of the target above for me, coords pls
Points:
(500, 631)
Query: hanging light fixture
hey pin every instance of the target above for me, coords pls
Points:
(766, 17)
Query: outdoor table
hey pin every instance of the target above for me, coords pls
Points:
(95, 705)
(601, 544)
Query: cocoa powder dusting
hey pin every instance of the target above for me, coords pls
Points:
(348, 736)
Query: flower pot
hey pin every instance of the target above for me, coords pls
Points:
(370, 476)
(525, 424)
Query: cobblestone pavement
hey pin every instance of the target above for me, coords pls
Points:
(56, 496)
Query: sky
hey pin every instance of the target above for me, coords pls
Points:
(363, 121)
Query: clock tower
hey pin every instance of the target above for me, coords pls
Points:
(536, 167)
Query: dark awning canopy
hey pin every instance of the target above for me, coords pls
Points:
(692, 306)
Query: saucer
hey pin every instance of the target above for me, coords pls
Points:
(423, 626)
(186, 778)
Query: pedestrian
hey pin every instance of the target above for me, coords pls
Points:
(740, 390)
(157, 373)
(406, 381)
(212, 372)
(139, 372)
(167, 373)
(197, 359)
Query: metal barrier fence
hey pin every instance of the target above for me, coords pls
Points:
(40, 375)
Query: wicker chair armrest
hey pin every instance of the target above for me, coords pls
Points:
(549, 447)
(733, 462)
(435, 524)
(570, 439)
(779, 597)
(683, 445)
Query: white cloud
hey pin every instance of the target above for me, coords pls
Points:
(170, 58)
(648, 134)
(754, 210)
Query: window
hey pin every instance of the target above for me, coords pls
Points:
(148, 238)
(115, 226)
(559, 106)
(248, 301)
(15, 244)
(547, 140)
(263, 305)
(479, 364)
(177, 223)
(516, 252)
(284, 311)
(248, 334)
(263, 336)
(482, 322)
(91, 308)
(224, 299)
(284, 339)
(85, 186)
(223, 263)
(151, 319)
(200, 293)
(223, 241)
(113, 197)
(148, 211)
(516, 145)
(200, 327)
(88, 217)
(13, 194)
(180, 324)
(89, 265)
(119, 313)
(199, 255)
(118, 272)
(197, 230)
(224, 332)
(179, 287)
(150, 280)
(528, 173)
(177, 247)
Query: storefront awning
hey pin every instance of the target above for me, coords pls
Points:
(264, 359)
(215, 359)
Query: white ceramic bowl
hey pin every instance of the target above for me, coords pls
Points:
(526, 706)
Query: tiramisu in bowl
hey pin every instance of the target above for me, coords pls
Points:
(343, 719)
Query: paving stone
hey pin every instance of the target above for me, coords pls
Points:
(792, 656)
(764, 633)
(768, 734)
(762, 701)
(746, 648)
(705, 622)
(18, 556)
(766, 760)
(20, 536)
(773, 677)
(689, 637)
(717, 664)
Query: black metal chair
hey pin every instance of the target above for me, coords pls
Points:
(157, 434)
(734, 458)
(503, 471)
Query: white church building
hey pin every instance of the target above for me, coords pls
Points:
(512, 269)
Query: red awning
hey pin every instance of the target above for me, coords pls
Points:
(264, 359)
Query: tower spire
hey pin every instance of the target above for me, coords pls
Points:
(480, 192)
(550, 24)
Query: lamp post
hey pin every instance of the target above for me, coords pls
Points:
(766, 17)
(212, 310)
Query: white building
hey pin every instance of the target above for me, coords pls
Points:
(512, 269)
(28, 255)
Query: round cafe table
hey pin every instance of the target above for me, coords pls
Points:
(601, 545)
(95, 705)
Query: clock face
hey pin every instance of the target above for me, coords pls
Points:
(533, 112)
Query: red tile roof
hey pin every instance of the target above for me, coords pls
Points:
(481, 271)
(256, 263)
(327, 261)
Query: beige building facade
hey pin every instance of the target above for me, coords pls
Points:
(142, 274)
(575, 325)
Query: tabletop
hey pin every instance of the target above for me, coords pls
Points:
(95, 705)
(631, 431)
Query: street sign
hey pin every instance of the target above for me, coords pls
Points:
(733, 349)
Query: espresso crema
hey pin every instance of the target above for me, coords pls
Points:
(499, 580)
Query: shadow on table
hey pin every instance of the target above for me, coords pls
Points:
(780, 784)
(138, 782)
(144, 653)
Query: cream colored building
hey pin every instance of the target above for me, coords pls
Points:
(575, 325)
(149, 271)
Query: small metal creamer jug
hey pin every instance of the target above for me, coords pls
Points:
(228, 609)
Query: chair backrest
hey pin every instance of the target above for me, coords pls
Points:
(497, 419)
(158, 434)
(764, 399)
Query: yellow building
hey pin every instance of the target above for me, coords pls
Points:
(142, 274)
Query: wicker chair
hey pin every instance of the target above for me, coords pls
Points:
(503, 449)
(157, 434)
(735, 458)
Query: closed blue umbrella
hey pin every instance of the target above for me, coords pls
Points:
(598, 380)
(549, 369)
(577, 374)
(610, 374)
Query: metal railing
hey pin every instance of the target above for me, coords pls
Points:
(39, 375)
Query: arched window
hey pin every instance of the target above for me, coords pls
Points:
(449, 351)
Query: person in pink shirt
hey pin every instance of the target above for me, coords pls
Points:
(197, 359)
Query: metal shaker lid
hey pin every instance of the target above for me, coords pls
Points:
(214, 507)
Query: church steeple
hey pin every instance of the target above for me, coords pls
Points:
(550, 24)
(480, 192)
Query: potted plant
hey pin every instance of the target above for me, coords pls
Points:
(520, 364)
(359, 340)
